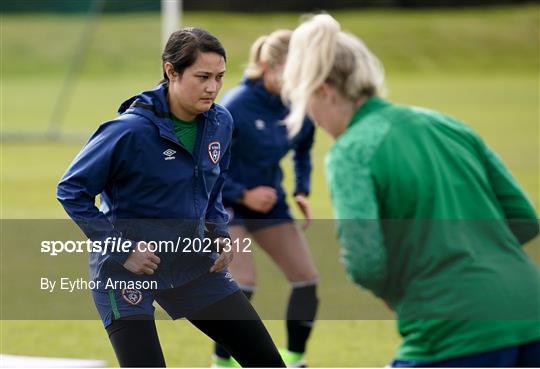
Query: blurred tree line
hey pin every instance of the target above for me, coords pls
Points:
(79, 6)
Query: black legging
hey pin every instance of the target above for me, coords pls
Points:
(232, 322)
(135, 342)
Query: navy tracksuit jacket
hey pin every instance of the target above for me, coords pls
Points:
(260, 141)
(150, 186)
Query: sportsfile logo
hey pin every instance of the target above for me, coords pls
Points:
(169, 154)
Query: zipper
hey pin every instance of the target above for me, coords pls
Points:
(195, 170)
(196, 166)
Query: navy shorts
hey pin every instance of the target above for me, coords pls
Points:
(178, 302)
(254, 221)
(526, 355)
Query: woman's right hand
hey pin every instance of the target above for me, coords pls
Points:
(260, 198)
(141, 260)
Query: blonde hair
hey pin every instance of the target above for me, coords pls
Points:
(320, 52)
(271, 49)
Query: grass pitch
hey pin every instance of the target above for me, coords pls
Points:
(480, 65)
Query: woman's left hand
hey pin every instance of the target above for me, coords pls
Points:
(224, 258)
(303, 204)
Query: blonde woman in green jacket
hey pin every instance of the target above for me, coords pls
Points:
(429, 218)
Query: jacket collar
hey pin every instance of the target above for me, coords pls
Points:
(153, 105)
(257, 86)
(372, 104)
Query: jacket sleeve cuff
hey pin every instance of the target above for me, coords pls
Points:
(121, 257)
(214, 231)
(301, 189)
(237, 194)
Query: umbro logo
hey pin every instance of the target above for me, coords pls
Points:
(260, 124)
(169, 154)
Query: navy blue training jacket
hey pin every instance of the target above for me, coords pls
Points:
(150, 186)
(260, 141)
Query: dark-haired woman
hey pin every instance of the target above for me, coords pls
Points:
(158, 168)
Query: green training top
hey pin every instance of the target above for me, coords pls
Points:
(422, 207)
(186, 132)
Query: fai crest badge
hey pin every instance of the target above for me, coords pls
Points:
(132, 296)
(214, 151)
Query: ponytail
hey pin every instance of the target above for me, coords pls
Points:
(254, 69)
(310, 60)
(268, 49)
(320, 52)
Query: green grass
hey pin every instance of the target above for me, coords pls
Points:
(479, 65)
(501, 38)
(503, 109)
(334, 343)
